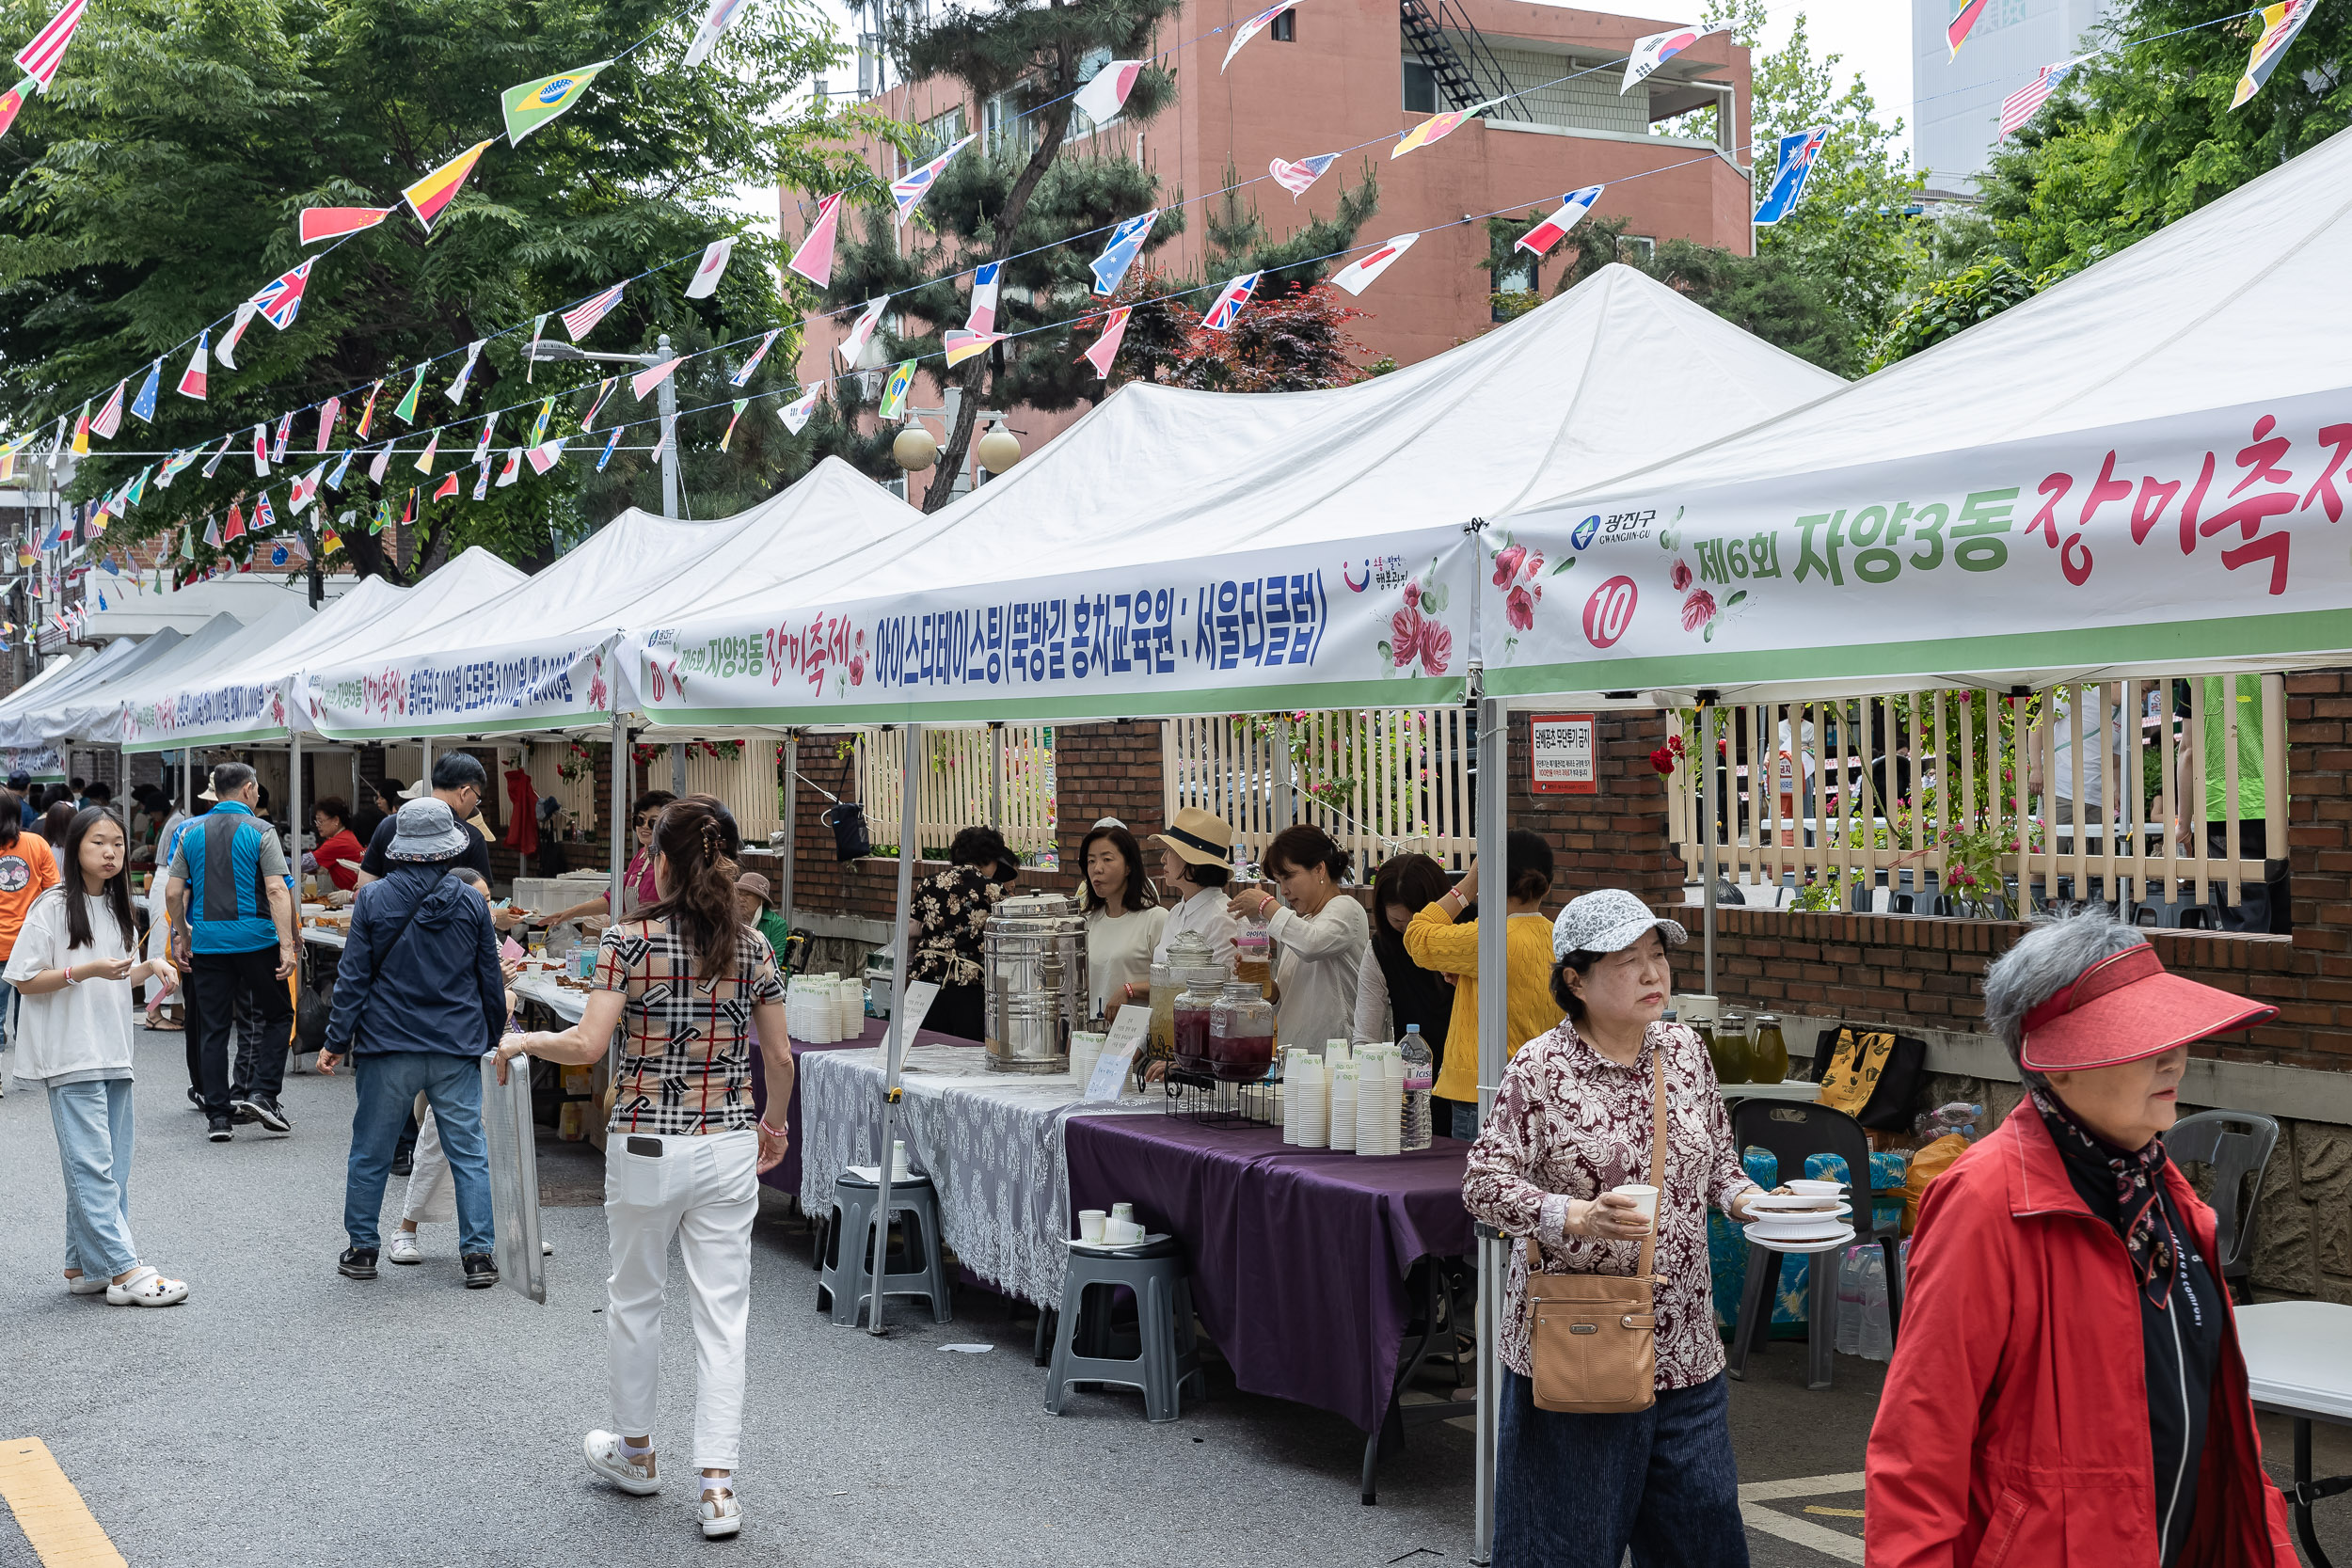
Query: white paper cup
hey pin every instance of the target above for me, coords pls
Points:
(1123, 1232)
(1644, 1199)
(1090, 1223)
(1122, 1211)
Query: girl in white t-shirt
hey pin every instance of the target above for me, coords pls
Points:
(74, 966)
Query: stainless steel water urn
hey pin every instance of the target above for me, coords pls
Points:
(1034, 972)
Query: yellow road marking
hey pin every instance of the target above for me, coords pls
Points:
(50, 1511)
(1834, 1513)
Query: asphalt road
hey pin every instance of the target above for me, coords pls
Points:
(286, 1416)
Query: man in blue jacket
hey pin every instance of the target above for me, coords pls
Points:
(418, 999)
(232, 922)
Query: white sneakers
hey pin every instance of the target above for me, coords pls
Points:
(147, 1288)
(721, 1515)
(609, 1460)
(404, 1247)
(718, 1511)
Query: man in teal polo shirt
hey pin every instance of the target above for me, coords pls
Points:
(233, 917)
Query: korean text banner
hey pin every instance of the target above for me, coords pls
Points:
(556, 685)
(2215, 536)
(1378, 622)
(230, 710)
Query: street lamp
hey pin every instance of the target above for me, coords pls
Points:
(547, 350)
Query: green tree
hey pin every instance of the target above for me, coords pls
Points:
(1950, 306)
(2139, 136)
(158, 185)
(1020, 193)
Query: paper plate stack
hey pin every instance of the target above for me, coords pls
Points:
(1813, 1216)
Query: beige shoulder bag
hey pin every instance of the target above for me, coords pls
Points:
(1593, 1338)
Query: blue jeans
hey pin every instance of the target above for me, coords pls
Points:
(388, 1082)
(1576, 1491)
(1465, 1117)
(93, 1125)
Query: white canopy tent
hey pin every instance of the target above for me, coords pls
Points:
(95, 713)
(59, 679)
(2140, 471)
(1181, 552)
(41, 762)
(251, 699)
(39, 721)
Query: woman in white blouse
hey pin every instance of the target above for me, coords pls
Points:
(1321, 936)
(1124, 923)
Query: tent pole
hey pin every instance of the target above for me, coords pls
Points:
(293, 865)
(791, 829)
(996, 776)
(894, 1050)
(424, 743)
(1494, 1013)
(1706, 829)
(678, 767)
(619, 817)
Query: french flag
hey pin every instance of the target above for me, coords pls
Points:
(983, 316)
(1554, 229)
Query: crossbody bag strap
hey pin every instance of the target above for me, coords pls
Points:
(1656, 1155)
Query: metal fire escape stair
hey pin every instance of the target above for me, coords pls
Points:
(1426, 32)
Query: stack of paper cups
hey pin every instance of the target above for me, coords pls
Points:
(1308, 1125)
(849, 1019)
(1343, 1090)
(1379, 1088)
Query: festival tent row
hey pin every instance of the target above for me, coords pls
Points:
(95, 714)
(2140, 471)
(32, 722)
(58, 680)
(1178, 551)
(248, 701)
(537, 658)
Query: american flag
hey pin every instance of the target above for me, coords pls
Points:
(41, 58)
(582, 319)
(1295, 178)
(2019, 106)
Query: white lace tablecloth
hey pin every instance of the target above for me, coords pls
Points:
(992, 1144)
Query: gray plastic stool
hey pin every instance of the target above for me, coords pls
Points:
(1167, 1356)
(844, 1286)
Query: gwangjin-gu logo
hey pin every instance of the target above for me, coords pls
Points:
(1582, 534)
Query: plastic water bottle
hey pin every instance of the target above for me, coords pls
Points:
(1421, 1076)
(1877, 1338)
(1850, 1301)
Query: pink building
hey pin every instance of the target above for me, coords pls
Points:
(1337, 74)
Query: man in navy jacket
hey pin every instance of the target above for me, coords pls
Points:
(418, 999)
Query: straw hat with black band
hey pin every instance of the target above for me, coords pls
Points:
(1197, 838)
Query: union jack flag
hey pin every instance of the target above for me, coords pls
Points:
(280, 298)
(1226, 308)
(915, 184)
(582, 319)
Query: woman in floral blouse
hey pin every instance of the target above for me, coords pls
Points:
(1572, 1121)
(944, 927)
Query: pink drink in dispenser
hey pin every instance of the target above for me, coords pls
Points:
(1192, 1012)
(1241, 1034)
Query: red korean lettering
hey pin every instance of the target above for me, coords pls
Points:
(2340, 437)
(2077, 571)
(2106, 488)
(2260, 457)
(2148, 511)
(2052, 490)
(2273, 549)
(2190, 507)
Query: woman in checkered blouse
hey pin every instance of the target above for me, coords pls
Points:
(690, 984)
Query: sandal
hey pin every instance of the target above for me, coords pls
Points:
(147, 1288)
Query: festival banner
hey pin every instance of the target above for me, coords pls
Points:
(2213, 535)
(1381, 620)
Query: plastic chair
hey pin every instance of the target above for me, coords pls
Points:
(1166, 1355)
(2236, 1143)
(1793, 1133)
(845, 1286)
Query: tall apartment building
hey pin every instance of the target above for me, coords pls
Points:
(1956, 99)
(1342, 73)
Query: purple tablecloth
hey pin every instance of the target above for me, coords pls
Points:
(1298, 1256)
(786, 1178)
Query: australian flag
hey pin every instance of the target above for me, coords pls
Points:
(280, 299)
(1126, 243)
(1797, 155)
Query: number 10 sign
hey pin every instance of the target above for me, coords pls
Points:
(1562, 746)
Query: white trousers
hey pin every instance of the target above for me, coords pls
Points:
(432, 1190)
(704, 1192)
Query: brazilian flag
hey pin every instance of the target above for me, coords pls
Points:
(533, 103)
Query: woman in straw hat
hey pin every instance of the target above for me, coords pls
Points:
(1196, 856)
(2067, 1386)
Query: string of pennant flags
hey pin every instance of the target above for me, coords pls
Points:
(535, 103)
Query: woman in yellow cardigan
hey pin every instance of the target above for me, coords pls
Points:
(1437, 940)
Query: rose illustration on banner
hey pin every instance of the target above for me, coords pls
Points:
(1681, 576)
(1520, 606)
(1415, 633)
(596, 692)
(1518, 572)
(1698, 610)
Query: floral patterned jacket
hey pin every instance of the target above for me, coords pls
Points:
(1569, 1123)
(950, 912)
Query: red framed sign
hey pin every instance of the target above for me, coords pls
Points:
(1564, 760)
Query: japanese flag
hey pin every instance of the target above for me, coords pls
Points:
(1358, 274)
(713, 267)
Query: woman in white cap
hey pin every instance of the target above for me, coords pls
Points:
(2068, 1385)
(1573, 1121)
